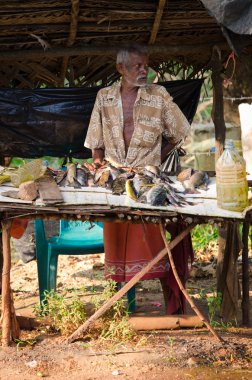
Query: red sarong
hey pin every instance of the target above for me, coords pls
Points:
(130, 247)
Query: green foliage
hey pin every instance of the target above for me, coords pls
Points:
(214, 304)
(25, 342)
(115, 325)
(68, 313)
(203, 234)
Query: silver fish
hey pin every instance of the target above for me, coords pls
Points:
(141, 183)
(173, 197)
(114, 172)
(82, 176)
(156, 196)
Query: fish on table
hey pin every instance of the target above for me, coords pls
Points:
(193, 179)
(144, 184)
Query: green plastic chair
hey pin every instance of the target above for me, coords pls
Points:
(75, 238)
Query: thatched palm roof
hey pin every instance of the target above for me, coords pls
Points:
(44, 42)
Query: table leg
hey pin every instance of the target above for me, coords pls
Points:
(6, 292)
(245, 276)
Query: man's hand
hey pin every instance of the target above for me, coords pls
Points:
(93, 166)
(98, 155)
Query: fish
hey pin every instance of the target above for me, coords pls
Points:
(105, 179)
(153, 169)
(70, 178)
(147, 173)
(185, 174)
(141, 183)
(130, 191)
(82, 176)
(59, 176)
(156, 196)
(144, 184)
(199, 179)
(100, 173)
(118, 185)
(165, 177)
(173, 197)
(114, 172)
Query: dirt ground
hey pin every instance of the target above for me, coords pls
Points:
(171, 354)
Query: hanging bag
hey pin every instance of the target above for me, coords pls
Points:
(172, 160)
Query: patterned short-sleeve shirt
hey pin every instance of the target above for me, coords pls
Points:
(154, 115)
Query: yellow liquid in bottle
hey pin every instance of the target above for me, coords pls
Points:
(231, 181)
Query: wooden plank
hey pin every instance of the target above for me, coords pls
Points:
(49, 191)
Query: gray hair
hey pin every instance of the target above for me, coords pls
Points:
(132, 48)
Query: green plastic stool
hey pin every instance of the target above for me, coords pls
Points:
(75, 238)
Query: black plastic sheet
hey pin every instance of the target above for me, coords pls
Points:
(235, 19)
(54, 122)
(235, 15)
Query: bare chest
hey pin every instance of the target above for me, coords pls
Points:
(128, 121)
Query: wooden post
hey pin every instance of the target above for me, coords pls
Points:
(218, 108)
(220, 134)
(6, 292)
(245, 276)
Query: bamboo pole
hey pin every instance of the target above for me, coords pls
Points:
(76, 334)
(164, 322)
(157, 21)
(6, 293)
(182, 288)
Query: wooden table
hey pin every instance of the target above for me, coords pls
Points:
(100, 205)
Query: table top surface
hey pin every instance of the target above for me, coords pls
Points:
(203, 203)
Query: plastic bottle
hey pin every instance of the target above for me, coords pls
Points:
(231, 181)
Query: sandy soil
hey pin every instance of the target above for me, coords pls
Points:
(178, 354)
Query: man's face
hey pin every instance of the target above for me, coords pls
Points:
(134, 72)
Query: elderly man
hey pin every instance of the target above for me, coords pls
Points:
(126, 128)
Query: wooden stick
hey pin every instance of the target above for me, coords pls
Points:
(6, 294)
(127, 286)
(182, 288)
(15, 329)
